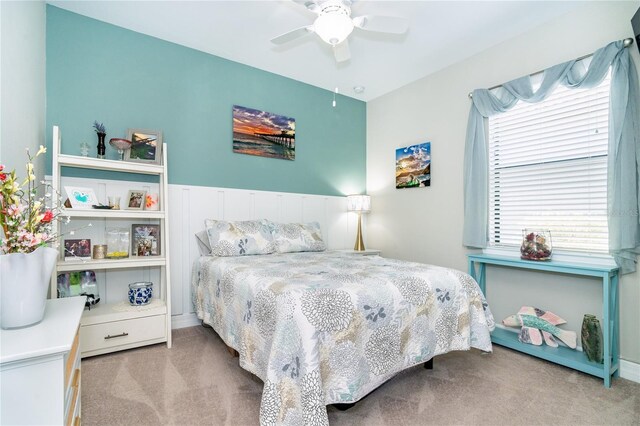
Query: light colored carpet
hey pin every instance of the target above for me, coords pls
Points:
(197, 382)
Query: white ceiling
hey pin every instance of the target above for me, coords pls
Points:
(440, 34)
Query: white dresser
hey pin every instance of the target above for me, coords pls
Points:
(40, 368)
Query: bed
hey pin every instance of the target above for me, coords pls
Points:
(330, 327)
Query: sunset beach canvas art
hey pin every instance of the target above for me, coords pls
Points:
(413, 166)
(263, 134)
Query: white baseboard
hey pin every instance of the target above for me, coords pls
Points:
(184, 320)
(630, 370)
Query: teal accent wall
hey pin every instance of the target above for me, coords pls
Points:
(97, 71)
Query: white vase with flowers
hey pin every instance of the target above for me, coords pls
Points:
(26, 260)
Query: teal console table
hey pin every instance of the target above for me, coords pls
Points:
(563, 355)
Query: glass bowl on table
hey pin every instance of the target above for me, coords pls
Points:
(536, 245)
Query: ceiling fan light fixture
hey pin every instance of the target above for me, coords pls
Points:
(333, 28)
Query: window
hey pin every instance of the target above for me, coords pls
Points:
(548, 170)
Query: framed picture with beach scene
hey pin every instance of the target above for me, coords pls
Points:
(263, 133)
(413, 166)
(146, 146)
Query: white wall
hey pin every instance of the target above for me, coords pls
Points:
(22, 82)
(425, 224)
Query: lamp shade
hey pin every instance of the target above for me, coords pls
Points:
(333, 28)
(359, 203)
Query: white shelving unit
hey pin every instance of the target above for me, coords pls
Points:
(114, 325)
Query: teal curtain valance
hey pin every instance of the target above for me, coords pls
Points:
(623, 189)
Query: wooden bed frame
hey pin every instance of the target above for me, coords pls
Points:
(342, 407)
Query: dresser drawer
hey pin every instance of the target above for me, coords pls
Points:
(122, 333)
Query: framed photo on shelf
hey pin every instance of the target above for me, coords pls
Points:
(81, 198)
(77, 249)
(145, 240)
(136, 200)
(146, 146)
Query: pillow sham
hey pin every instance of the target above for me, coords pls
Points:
(239, 238)
(296, 237)
(203, 243)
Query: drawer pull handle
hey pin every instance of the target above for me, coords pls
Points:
(123, 334)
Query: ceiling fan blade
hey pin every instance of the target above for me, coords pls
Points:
(308, 4)
(292, 35)
(341, 51)
(382, 24)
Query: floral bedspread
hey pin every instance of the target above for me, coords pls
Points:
(330, 327)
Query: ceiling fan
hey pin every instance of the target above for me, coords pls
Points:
(334, 24)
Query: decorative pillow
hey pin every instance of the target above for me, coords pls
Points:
(295, 237)
(239, 238)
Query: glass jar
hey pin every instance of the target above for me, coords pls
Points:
(536, 245)
(117, 243)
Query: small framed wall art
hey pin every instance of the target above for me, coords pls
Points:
(136, 200)
(146, 146)
(413, 166)
(81, 198)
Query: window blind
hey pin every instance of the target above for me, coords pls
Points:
(548, 170)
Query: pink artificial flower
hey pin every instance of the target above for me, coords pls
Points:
(36, 239)
(15, 209)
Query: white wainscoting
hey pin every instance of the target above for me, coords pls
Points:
(189, 206)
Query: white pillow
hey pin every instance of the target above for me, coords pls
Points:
(296, 237)
(239, 238)
(203, 243)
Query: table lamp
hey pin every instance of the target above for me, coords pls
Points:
(359, 204)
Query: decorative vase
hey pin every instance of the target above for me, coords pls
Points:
(140, 293)
(24, 280)
(536, 245)
(101, 146)
(592, 339)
